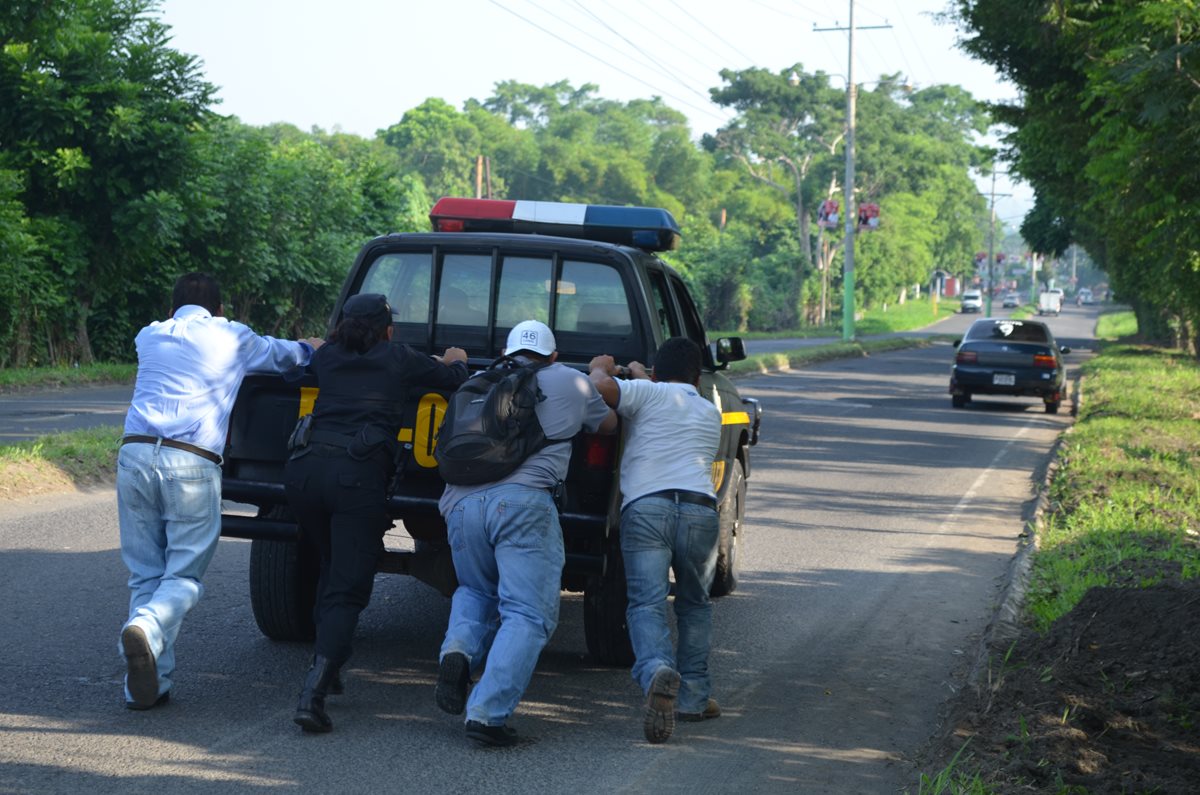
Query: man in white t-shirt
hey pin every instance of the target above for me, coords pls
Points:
(668, 522)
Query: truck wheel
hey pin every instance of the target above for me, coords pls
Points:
(1052, 406)
(959, 401)
(283, 588)
(604, 624)
(725, 577)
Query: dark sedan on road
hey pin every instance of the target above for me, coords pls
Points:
(999, 356)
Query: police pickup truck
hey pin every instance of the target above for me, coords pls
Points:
(589, 272)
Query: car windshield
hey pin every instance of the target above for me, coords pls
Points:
(1013, 330)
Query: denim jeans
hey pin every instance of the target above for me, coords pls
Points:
(169, 507)
(658, 535)
(508, 552)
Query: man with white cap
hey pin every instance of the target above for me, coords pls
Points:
(508, 552)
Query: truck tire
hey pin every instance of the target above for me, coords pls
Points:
(604, 625)
(283, 588)
(731, 512)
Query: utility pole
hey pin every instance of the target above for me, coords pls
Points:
(992, 244)
(851, 215)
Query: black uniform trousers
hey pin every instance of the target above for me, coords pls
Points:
(340, 504)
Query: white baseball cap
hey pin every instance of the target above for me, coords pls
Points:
(531, 335)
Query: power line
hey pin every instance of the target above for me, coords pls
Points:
(711, 32)
(612, 66)
(933, 76)
(642, 53)
(668, 42)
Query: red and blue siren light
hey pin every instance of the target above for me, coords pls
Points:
(649, 228)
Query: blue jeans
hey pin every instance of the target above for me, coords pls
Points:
(169, 507)
(508, 552)
(658, 535)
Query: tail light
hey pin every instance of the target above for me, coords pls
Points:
(966, 357)
(1042, 360)
(600, 450)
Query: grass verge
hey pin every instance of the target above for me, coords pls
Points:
(902, 317)
(15, 379)
(1125, 501)
(59, 461)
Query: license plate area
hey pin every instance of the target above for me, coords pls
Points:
(1003, 379)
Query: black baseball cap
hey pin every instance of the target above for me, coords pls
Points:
(371, 307)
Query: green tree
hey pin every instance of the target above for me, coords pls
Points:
(440, 144)
(788, 124)
(1106, 135)
(95, 113)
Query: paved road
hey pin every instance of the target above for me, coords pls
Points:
(881, 528)
(954, 324)
(28, 415)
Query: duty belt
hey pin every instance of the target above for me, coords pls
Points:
(342, 440)
(191, 448)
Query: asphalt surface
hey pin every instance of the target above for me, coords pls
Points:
(26, 415)
(880, 531)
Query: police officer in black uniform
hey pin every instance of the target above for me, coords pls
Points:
(337, 477)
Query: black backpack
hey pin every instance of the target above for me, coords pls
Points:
(491, 426)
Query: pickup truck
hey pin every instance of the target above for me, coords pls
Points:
(591, 273)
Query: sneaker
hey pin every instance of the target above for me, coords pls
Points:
(711, 710)
(659, 719)
(141, 669)
(454, 671)
(494, 736)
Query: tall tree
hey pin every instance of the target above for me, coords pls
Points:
(787, 123)
(96, 111)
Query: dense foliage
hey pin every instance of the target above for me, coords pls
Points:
(1107, 135)
(116, 175)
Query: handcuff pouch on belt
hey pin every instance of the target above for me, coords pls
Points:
(297, 443)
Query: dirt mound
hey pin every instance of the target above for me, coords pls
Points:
(1107, 701)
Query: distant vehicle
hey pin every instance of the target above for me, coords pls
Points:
(1050, 302)
(972, 301)
(1011, 300)
(1008, 357)
(1084, 297)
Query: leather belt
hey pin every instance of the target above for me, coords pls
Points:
(191, 448)
(679, 495)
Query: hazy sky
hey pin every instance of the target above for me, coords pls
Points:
(358, 65)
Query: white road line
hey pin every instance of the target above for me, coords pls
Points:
(979, 481)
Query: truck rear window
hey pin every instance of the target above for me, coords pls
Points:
(590, 297)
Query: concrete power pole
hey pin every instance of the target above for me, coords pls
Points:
(851, 214)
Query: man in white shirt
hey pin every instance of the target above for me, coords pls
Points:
(169, 468)
(668, 522)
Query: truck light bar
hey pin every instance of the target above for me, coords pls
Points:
(649, 228)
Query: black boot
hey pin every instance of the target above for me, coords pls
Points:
(336, 686)
(310, 712)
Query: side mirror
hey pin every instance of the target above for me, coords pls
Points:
(730, 349)
(1064, 349)
(957, 343)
